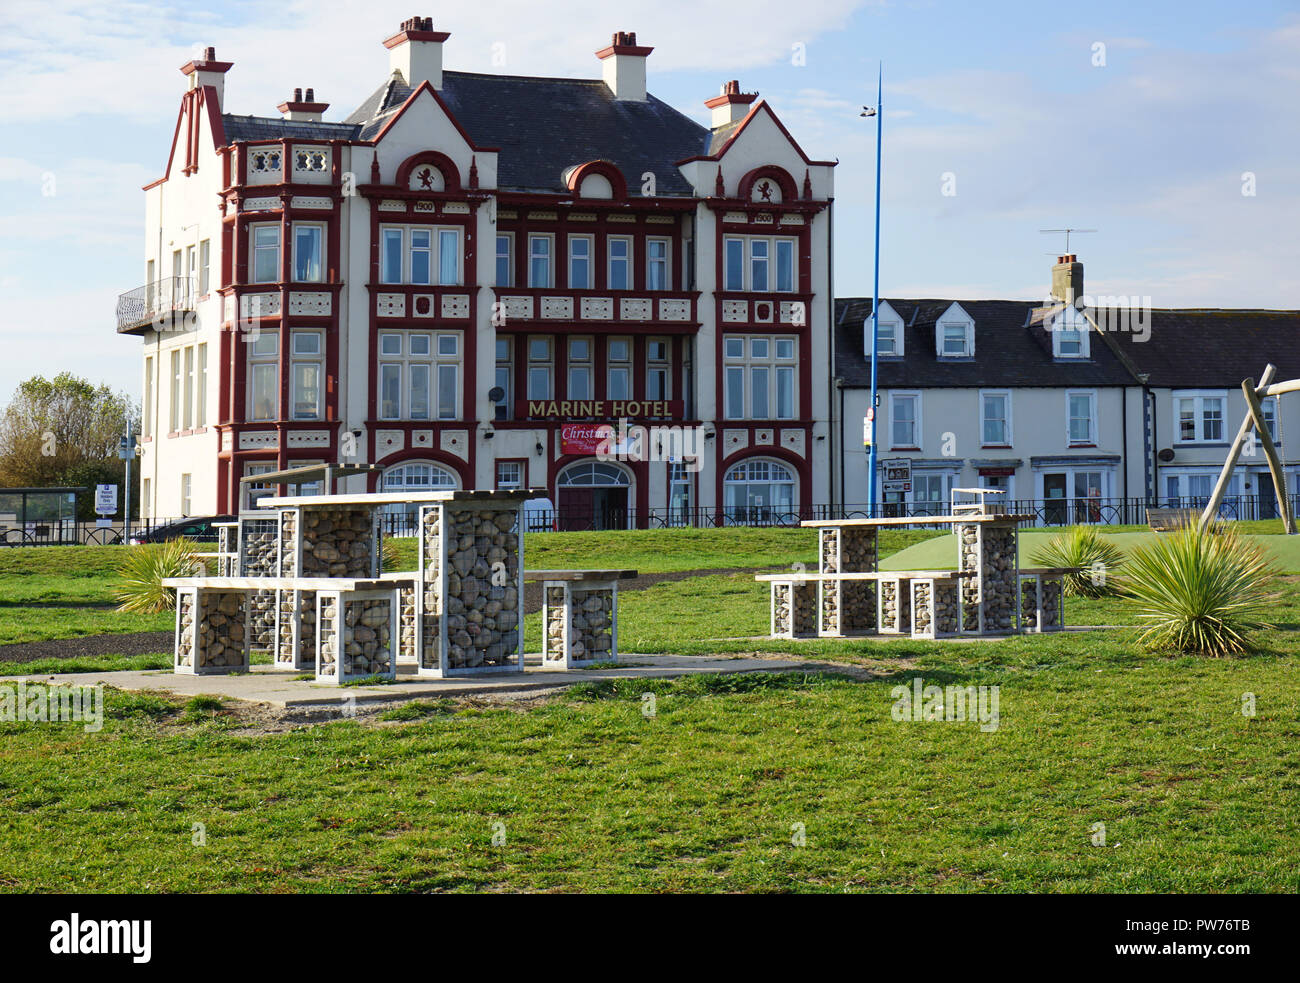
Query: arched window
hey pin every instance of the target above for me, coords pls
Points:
(593, 474)
(758, 492)
(415, 478)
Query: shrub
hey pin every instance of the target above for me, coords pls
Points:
(1081, 546)
(1199, 592)
(140, 590)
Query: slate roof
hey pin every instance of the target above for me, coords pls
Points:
(1190, 349)
(542, 126)
(1009, 351)
(274, 127)
(1186, 349)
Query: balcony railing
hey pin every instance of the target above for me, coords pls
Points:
(627, 310)
(155, 305)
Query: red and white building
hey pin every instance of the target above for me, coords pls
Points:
(462, 278)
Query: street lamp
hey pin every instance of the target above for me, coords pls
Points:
(878, 112)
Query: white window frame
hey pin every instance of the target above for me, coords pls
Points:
(1006, 422)
(406, 250)
(201, 385)
(1091, 440)
(533, 255)
(187, 400)
(895, 395)
(508, 484)
(769, 261)
(1198, 398)
(306, 358)
(589, 258)
(262, 359)
(205, 267)
(174, 406)
(666, 262)
(747, 363)
(440, 366)
(546, 364)
(626, 261)
(505, 378)
(662, 367)
(585, 364)
(623, 365)
(254, 250)
(319, 229)
(1071, 323)
(954, 316)
(508, 256)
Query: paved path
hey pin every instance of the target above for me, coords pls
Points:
(281, 688)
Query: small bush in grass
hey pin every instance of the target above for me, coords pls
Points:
(1083, 547)
(140, 590)
(1199, 592)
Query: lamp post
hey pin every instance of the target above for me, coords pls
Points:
(878, 112)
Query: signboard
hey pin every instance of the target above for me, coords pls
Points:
(103, 523)
(599, 409)
(866, 426)
(106, 499)
(898, 475)
(585, 438)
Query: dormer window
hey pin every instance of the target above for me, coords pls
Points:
(955, 334)
(1070, 335)
(889, 335)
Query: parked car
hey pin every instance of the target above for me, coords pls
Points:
(198, 528)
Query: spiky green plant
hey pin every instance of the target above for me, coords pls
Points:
(1083, 547)
(1199, 592)
(140, 590)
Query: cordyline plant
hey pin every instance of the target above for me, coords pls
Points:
(144, 569)
(1197, 592)
(1082, 547)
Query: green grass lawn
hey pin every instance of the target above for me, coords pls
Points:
(755, 782)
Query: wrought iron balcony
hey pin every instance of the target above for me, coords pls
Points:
(164, 305)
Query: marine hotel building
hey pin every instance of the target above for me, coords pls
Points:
(465, 277)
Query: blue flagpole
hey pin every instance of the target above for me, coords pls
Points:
(875, 299)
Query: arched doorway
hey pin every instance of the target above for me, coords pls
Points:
(593, 495)
(415, 477)
(759, 492)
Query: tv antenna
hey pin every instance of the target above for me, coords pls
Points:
(1067, 234)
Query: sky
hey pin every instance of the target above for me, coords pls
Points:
(1171, 128)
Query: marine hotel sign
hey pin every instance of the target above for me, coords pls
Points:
(600, 409)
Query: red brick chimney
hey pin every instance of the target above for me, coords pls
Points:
(731, 104)
(303, 107)
(1067, 278)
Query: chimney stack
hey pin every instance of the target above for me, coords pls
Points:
(207, 71)
(416, 52)
(303, 108)
(1067, 278)
(730, 105)
(623, 65)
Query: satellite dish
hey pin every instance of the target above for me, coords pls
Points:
(496, 394)
(1166, 455)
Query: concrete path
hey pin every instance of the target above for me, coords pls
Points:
(281, 688)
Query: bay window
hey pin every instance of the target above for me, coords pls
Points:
(266, 253)
(759, 264)
(306, 366)
(308, 252)
(263, 377)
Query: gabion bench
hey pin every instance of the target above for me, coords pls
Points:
(1042, 598)
(579, 616)
(212, 615)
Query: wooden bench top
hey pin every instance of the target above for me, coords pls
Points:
(579, 575)
(290, 583)
(920, 520)
(1161, 519)
(877, 575)
(1049, 571)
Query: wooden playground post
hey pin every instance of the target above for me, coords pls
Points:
(1221, 487)
(1270, 452)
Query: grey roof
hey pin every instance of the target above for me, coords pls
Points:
(273, 128)
(1192, 349)
(1010, 351)
(543, 126)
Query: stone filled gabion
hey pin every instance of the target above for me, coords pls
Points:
(185, 621)
(221, 630)
(993, 591)
(946, 609)
(259, 548)
(338, 542)
(367, 637)
(408, 624)
(830, 608)
(922, 616)
(1053, 599)
(288, 543)
(893, 615)
(591, 625)
(798, 601)
(261, 620)
(431, 603)
(482, 587)
(302, 606)
(554, 648)
(228, 544)
(1029, 604)
(858, 599)
(327, 658)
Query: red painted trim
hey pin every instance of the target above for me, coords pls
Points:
(802, 466)
(426, 87)
(639, 51)
(509, 460)
(402, 37)
(444, 164)
(604, 168)
(749, 117)
(432, 455)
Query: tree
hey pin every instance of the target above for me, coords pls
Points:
(65, 431)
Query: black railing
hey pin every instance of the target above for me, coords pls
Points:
(1050, 512)
(156, 301)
